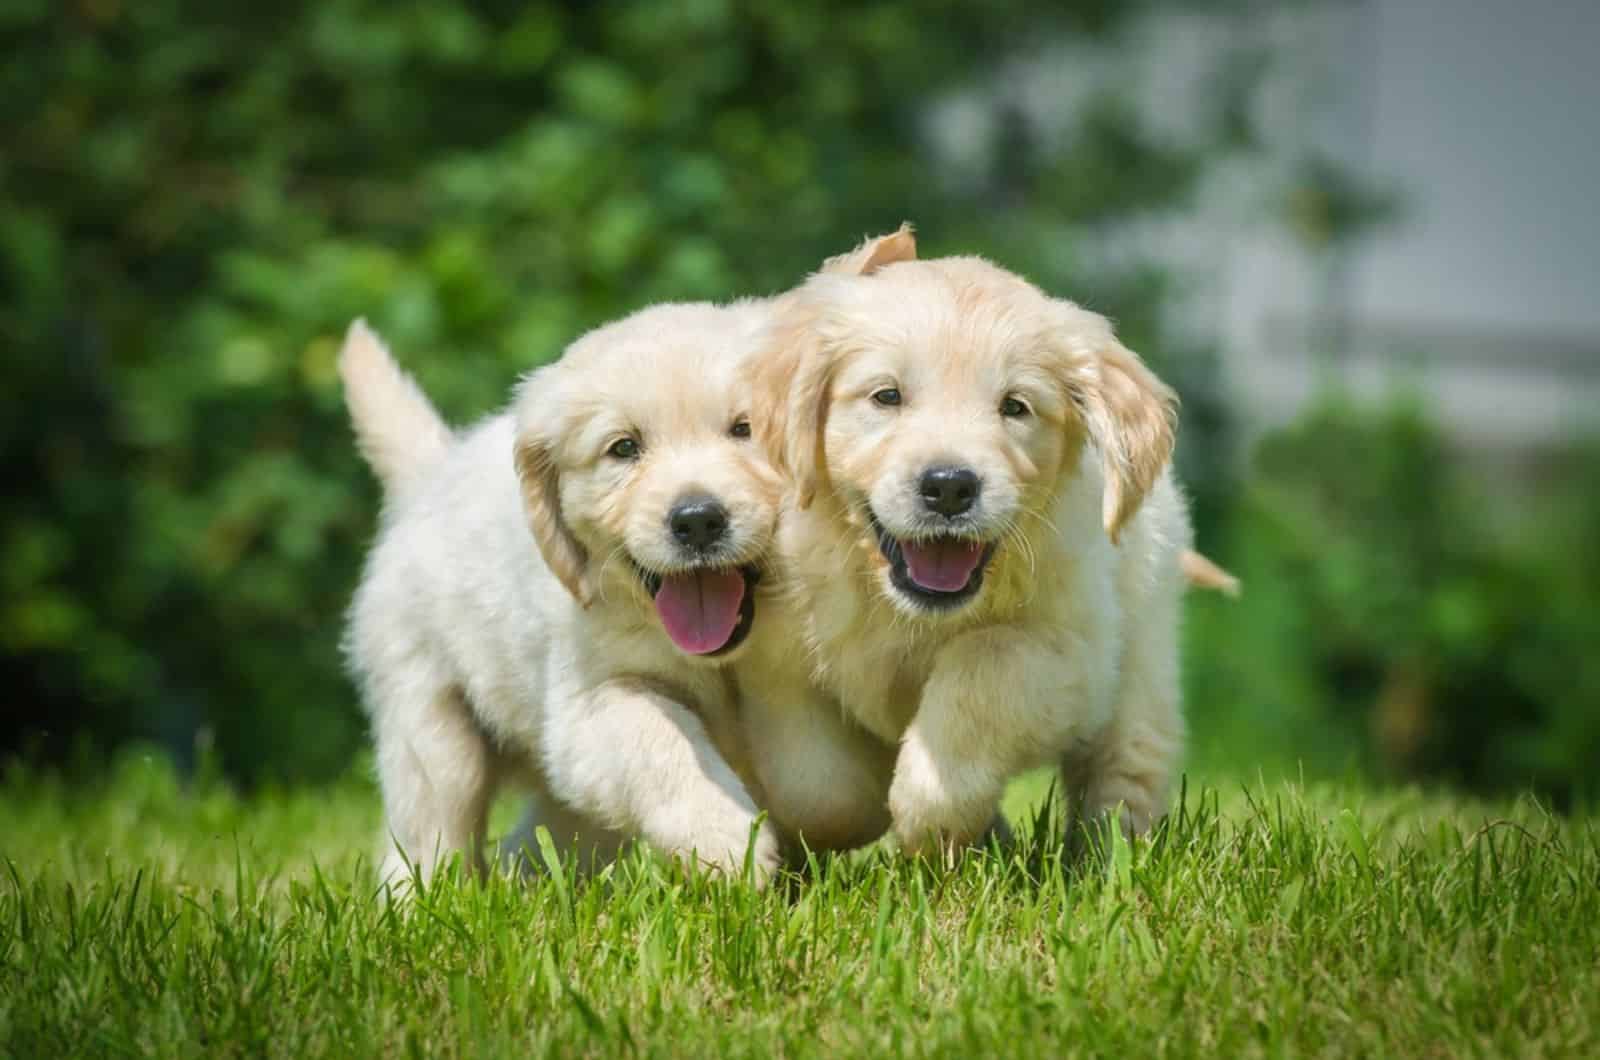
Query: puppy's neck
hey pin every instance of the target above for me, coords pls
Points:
(619, 603)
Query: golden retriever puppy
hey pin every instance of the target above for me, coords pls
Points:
(983, 544)
(588, 668)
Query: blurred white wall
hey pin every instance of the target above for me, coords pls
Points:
(1486, 295)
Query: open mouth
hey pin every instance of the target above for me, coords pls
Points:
(706, 611)
(939, 571)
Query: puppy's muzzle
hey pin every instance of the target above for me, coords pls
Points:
(937, 562)
(706, 601)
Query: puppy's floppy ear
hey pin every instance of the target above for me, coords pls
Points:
(796, 371)
(807, 418)
(791, 394)
(873, 254)
(1132, 417)
(540, 478)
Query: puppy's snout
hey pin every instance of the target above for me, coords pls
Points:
(698, 522)
(949, 491)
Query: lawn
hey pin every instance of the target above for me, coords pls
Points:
(1271, 918)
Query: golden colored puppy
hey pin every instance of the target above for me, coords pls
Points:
(984, 548)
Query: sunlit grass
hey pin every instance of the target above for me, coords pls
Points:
(139, 917)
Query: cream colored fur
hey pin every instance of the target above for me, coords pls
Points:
(893, 715)
(399, 433)
(486, 661)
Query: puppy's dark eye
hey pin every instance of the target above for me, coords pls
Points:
(1012, 409)
(740, 428)
(888, 397)
(624, 449)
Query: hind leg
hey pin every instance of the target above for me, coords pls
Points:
(437, 771)
(1128, 768)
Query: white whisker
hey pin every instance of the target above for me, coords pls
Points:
(600, 575)
(1034, 513)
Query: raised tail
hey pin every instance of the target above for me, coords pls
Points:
(1201, 573)
(397, 428)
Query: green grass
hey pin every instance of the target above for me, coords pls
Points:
(1273, 919)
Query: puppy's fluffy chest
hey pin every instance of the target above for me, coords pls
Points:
(862, 652)
(877, 676)
(875, 660)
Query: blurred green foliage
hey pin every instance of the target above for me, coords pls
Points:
(1395, 618)
(196, 198)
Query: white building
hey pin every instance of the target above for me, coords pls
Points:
(1486, 294)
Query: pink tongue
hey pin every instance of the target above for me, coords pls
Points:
(941, 566)
(700, 608)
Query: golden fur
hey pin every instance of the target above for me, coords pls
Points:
(1066, 652)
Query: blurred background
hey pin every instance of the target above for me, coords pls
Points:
(1359, 237)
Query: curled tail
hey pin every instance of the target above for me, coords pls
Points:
(1201, 573)
(399, 432)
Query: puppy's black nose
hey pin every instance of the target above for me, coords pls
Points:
(949, 490)
(698, 522)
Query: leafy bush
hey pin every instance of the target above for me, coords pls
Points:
(196, 198)
(1393, 616)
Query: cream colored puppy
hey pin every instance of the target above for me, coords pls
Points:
(581, 660)
(984, 545)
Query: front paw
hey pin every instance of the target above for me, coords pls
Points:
(725, 852)
(939, 808)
